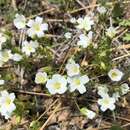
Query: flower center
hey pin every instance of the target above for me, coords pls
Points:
(29, 48)
(36, 27)
(114, 74)
(41, 79)
(57, 85)
(75, 69)
(106, 101)
(8, 101)
(77, 82)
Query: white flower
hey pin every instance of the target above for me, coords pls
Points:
(1, 63)
(29, 47)
(124, 88)
(36, 27)
(2, 40)
(2, 81)
(115, 74)
(101, 9)
(5, 55)
(72, 68)
(85, 41)
(73, 20)
(78, 83)
(7, 105)
(68, 35)
(20, 21)
(41, 78)
(102, 90)
(107, 103)
(116, 95)
(57, 84)
(16, 57)
(90, 114)
(111, 32)
(6, 114)
(85, 23)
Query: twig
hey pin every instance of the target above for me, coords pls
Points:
(47, 109)
(128, 124)
(121, 34)
(82, 5)
(80, 9)
(14, 5)
(66, 57)
(77, 105)
(31, 93)
(120, 57)
(122, 118)
(57, 20)
(47, 121)
(126, 46)
(95, 5)
(53, 51)
(41, 13)
(51, 35)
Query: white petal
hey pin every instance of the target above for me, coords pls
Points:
(2, 82)
(84, 79)
(12, 107)
(4, 93)
(103, 108)
(12, 96)
(30, 23)
(80, 20)
(62, 90)
(82, 89)
(72, 88)
(40, 34)
(38, 19)
(112, 107)
(44, 26)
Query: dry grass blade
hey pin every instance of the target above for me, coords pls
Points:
(47, 121)
(47, 109)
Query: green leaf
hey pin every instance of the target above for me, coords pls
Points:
(126, 37)
(117, 11)
(3, 2)
(34, 125)
(116, 127)
(84, 111)
(125, 22)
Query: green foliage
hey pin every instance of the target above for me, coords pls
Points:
(10, 16)
(117, 11)
(56, 1)
(116, 127)
(126, 37)
(125, 22)
(59, 1)
(20, 108)
(102, 54)
(103, 2)
(35, 125)
(3, 2)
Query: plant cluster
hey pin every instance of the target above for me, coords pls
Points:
(74, 75)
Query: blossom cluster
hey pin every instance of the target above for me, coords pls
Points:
(7, 105)
(58, 84)
(107, 101)
(34, 28)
